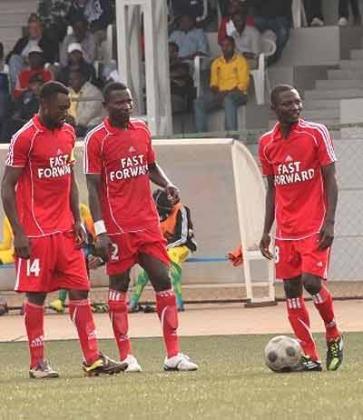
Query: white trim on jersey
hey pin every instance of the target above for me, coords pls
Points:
(10, 158)
(86, 140)
(324, 134)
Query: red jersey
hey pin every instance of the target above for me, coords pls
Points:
(121, 157)
(295, 162)
(44, 187)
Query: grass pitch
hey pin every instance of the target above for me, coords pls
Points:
(232, 383)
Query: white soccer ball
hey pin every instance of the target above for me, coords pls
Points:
(283, 354)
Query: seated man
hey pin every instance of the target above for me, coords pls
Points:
(229, 83)
(81, 35)
(247, 38)
(177, 228)
(191, 41)
(36, 67)
(86, 103)
(76, 61)
(181, 82)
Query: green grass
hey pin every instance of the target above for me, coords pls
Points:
(232, 383)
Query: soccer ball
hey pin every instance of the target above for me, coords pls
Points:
(283, 354)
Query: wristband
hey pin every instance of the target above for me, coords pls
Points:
(100, 227)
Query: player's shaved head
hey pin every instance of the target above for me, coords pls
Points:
(52, 88)
(112, 87)
(277, 90)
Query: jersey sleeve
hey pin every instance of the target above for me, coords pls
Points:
(92, 155)
(326, 153)
(19, 149)
(151, 155)
(267, 168)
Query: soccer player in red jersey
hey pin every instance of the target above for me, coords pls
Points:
(40, 199)
(298, 159)
(119, 164)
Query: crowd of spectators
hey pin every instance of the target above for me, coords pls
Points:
(64, 39)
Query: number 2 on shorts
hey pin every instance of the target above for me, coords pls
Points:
(33, 267)
(114, 253)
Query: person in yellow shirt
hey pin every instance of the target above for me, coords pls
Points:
(229, 81)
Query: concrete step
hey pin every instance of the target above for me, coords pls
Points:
(311, 104)
(345, 74)
(333, 94)
(351, 64)
(356, 54)
(338, 84)
(321, 114)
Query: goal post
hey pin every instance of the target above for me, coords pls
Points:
(250, 198)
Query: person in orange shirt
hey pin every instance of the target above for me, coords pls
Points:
(177, 228)
(229, 81)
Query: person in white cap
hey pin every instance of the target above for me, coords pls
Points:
(36, 66)
(81, 35)
(76, 62)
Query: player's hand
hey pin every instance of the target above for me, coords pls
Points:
(103, 246)
(22, 245)
(81, 234)
(173, 193)
(265, 246)
(326, 235)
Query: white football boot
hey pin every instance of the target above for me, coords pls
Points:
(132, 364)
(181, 362)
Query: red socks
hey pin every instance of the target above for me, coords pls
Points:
(118, 312)
(81, 314)
(34, 324)
(323, 302)
(168, 315)
(300, 322)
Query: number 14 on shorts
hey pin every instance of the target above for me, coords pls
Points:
(33, 267)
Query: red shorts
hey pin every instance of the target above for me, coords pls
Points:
(128, 246)
(292, 258)
(55, 263)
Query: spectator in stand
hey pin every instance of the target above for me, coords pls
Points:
(181, 83)
(86, 103)
(194, 8)
(191, 41)
(81, 35)
(53, 15)
(229, 81)
(314, 12)
(25, 106)
(276, 16)
(76, 61)
(226, 26)
(98, 14)
(4, 93)
(247, 38)
(18, 55)
(36, 66)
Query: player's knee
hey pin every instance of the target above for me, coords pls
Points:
(293, 288)
(36, 298)
(78, 294)
(312, 284)
(161, 283)
(120, 282)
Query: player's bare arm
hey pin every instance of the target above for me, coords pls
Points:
(8, 184)
(331, 191)
(103, 243)
(269, 218)
(158, 177)
(78, 226)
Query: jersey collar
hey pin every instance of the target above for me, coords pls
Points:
(276, 131)
(115, 130)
